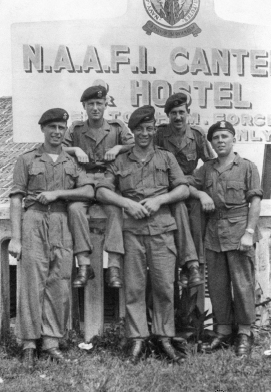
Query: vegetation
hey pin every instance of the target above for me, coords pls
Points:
(105, 369)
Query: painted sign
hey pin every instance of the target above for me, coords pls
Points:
(159, 47)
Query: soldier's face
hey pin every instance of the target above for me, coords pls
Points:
(54, 132)
(95, 108)
(178, 117)
(222, 142)
(144, 133)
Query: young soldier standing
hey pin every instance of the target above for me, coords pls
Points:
(148, 178)
(95, 143)
(233, 186)
(45, 178)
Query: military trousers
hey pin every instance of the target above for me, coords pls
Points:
(44, 278)
(79, 214)
(190, 221)
(231, 284)
(158, 253)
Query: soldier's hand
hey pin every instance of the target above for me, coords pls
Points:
(15, 248)
(47, 197)
(206, 201)
(111, 154)
(81, 155)
(246, 242)
(136, 210)
(152, 205)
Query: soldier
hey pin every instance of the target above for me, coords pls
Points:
(188, 144)
(148, 178)
(96, 142)
(232, 185)
(45, 178)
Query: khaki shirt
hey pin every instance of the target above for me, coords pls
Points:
(156, 175)
(231, 188)
(112, 133)
(36, 172)
(187, 149)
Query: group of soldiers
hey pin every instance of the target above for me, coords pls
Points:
(161, 210)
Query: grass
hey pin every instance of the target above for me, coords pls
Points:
(105, 369)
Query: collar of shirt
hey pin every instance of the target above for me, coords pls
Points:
(103, 131)
(133, 157)
(40, 152)
(236, 162)
(173, 137)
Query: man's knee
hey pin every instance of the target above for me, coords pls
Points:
(77, 208)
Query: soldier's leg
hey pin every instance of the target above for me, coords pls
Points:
(33, 271)
(135, 275)
(161, 255)
(219, 284)
(114, 244)
(82, 246)
(55, 311)
(197, 226)
(241, 266)
(187, 257)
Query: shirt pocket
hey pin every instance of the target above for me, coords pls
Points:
(161, 174)
(37, 180)
(70, 177)
(235, 192)
(126, 179)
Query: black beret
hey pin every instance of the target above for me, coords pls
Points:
(220, 125)
(145, 113)
(55, 114)
(93, 92)
(174, 101)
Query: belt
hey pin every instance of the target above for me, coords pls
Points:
(51, 207)
(224, 214)
(97, 170)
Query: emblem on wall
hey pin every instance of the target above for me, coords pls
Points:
(172, 18)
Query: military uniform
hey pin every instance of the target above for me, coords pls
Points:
(187, 149)
(47, 254)
(112, 133)
(231, 189)
(148, 241)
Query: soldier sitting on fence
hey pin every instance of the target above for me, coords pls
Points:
(95, 143)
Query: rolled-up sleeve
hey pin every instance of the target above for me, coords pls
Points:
(82, 178)
(176, 175)
(68, 139)
(110, 178)
(197, 180)
(20, 178)
(126, 137)
(206, 151)
(253, 183)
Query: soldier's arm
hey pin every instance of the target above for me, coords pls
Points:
(196, 184)
(15, 245)
(84, 193)
(246, 242)
(206, 201)
(77, 152)
(68, 145)
(105, 194)
(152, 205)
(112, 154)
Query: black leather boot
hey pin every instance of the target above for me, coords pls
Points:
(84, 274)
